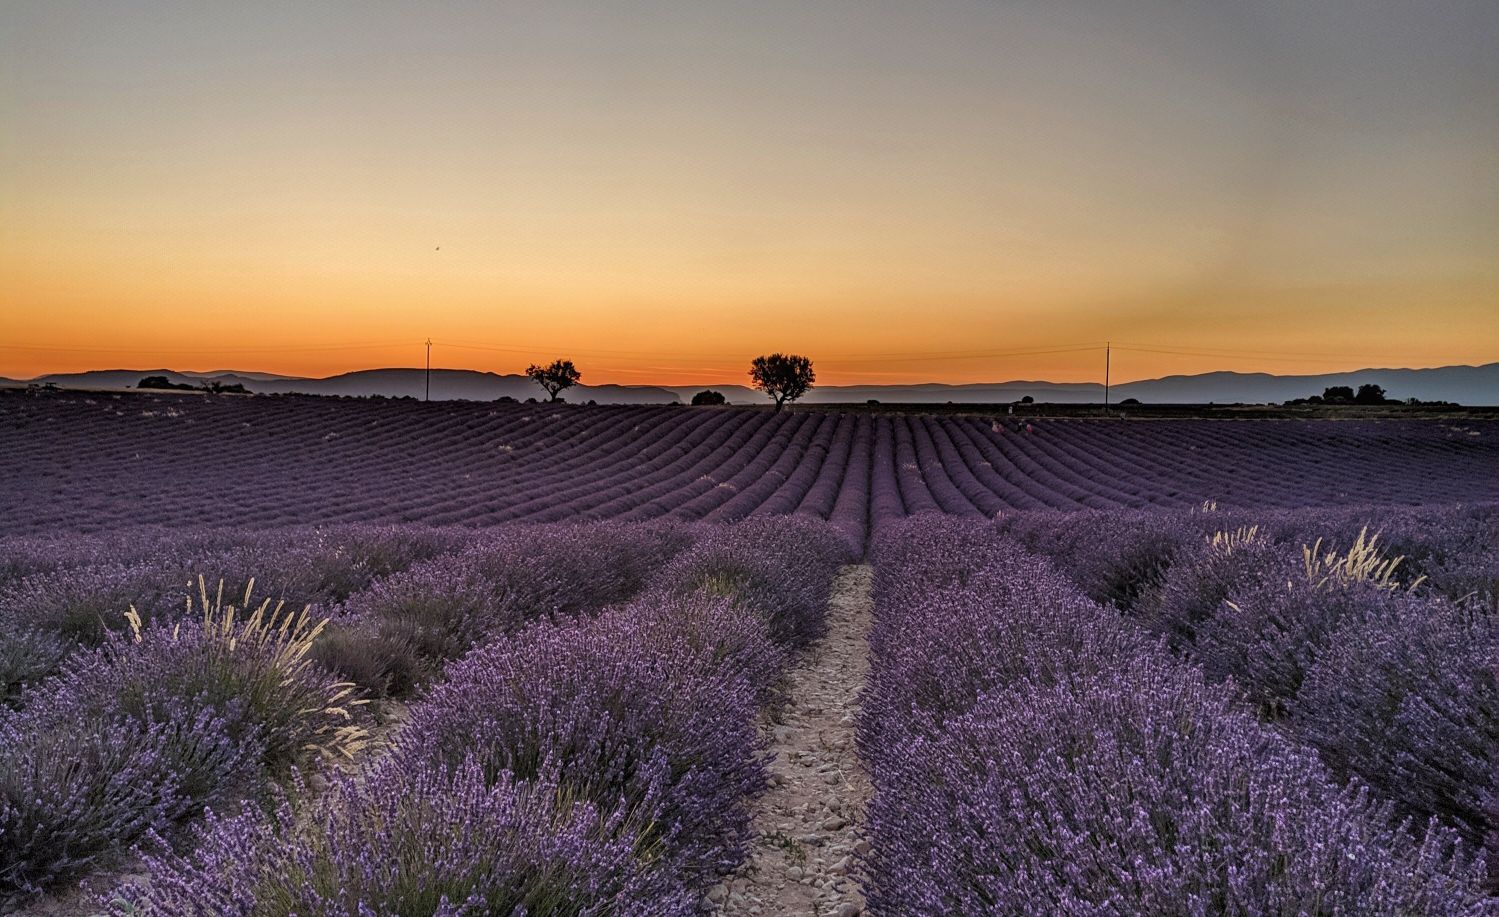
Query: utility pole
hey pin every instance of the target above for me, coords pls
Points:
(429, 370)
(1107, 356)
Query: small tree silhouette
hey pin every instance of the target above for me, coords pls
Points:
(1337, 394)
(1370, 393)
(555, 377)
(708, 396)
(784, 377)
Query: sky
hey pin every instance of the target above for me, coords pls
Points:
(662, 189)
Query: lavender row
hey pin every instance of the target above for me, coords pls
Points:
(1119, 556)
(404, 599)
(175, 723)
(57, 594)
(1385, 664)
(600, 765)
(400, 632)
(1034, 752)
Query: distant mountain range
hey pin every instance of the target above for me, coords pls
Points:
(1468, 385)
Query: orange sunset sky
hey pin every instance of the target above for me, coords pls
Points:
(661, 189)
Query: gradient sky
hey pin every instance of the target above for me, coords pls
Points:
(662, 189)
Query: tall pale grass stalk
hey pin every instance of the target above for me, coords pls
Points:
(284, 638)
(1363, 561)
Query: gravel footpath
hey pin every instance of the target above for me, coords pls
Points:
(809, 823)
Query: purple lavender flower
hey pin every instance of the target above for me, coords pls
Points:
(424, 839)
(631, 716)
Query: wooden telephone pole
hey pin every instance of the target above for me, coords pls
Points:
(1107, 355)
(429, 370)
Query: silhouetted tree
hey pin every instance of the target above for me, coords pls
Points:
(1027, 400)
(1337, 394)
(708, 396)
(560, 374)
(1369, 394)
(784, 377)
(163, 382)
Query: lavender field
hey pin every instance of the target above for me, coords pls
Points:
(301, 656)
(92, 462)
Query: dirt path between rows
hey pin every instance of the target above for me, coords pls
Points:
(808, 825)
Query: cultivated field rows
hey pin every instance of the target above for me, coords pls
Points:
(655, 718)
(73, 462)
(581, 735)
(570, 660)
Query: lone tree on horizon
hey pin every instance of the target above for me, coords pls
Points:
(560, 374)
(784, 377)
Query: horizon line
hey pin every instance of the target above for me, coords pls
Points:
(41, 377)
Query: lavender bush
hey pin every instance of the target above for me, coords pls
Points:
(948, 646)
(27, 655)
(1140, 791)
(85, 604)
(74, 792)
(778, 567)
(1114, 557)
(421, 840)
(1203, 576)
(1404, 698)
(145, 730)
(633, 718)
(1269, 634)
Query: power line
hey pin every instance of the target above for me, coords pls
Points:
(905, 356)
(1236, 355)
(852, 360)
(973, 355)
(198, 350)
(1188, 350)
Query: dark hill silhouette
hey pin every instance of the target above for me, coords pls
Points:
(460, 384)
(1468, 385)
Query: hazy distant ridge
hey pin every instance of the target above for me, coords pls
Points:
(1469, 385)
